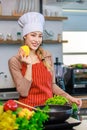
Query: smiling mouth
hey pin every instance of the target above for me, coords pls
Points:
(36, 43)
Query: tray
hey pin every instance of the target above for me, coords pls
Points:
(70, 123)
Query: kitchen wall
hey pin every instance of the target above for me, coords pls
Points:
(76, 20)
(6, 51)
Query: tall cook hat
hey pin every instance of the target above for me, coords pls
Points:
(31, 22)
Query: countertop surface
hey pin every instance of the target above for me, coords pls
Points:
(82, 126)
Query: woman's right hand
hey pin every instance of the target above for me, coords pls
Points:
(25, 59)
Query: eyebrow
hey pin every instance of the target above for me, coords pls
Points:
(36, 33)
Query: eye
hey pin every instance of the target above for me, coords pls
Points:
(40, 36)
(33, 35)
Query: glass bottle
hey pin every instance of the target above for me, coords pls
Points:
(59, 38)
(1, 37)
(18, 35)
(9, 36)
(56, 69)
(59, 74)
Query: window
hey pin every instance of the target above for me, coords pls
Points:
(75, 51)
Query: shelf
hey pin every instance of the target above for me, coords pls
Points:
(55, 18)
(54, 41)
(11, 41)
(21, 41)
(9, 17)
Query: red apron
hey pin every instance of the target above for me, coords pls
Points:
(41, 87)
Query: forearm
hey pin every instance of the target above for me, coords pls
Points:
(26, 81)
(22, 84)
(28, 73)
(58, 91)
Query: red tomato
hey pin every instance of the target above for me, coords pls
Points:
(10, 105)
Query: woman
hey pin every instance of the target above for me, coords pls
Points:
(34, 75)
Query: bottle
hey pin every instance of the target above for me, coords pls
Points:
(1, 37)
(9, 36)
(0, 8)
(18, 35)
(58, 74)
(56, 69)
(61, 83)
(57, 66)
(59, 38)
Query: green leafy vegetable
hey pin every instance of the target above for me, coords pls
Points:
(74, 107)
(1, 102)
(60, 100)
(35, 123)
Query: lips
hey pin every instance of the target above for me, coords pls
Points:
(35, 44)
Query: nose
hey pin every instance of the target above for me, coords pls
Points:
(37, 39)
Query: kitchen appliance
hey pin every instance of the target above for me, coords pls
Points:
(7, 90)
(76, 80)
(9, 93)
(60, 70)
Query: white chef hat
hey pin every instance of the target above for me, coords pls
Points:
(31, 22)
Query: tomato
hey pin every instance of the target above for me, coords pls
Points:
(10, 105)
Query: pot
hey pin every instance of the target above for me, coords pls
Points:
(58, 113)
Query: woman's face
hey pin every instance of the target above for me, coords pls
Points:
(33, 40)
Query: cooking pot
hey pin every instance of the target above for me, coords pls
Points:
(58, 113)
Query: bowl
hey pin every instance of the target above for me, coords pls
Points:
(58, 113)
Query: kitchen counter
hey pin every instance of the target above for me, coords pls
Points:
(82, 126)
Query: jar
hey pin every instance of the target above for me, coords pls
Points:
(1, 37)
(9, 36)
(18, 35)
(59, 38)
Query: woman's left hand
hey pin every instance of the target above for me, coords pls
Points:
(78, 101)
